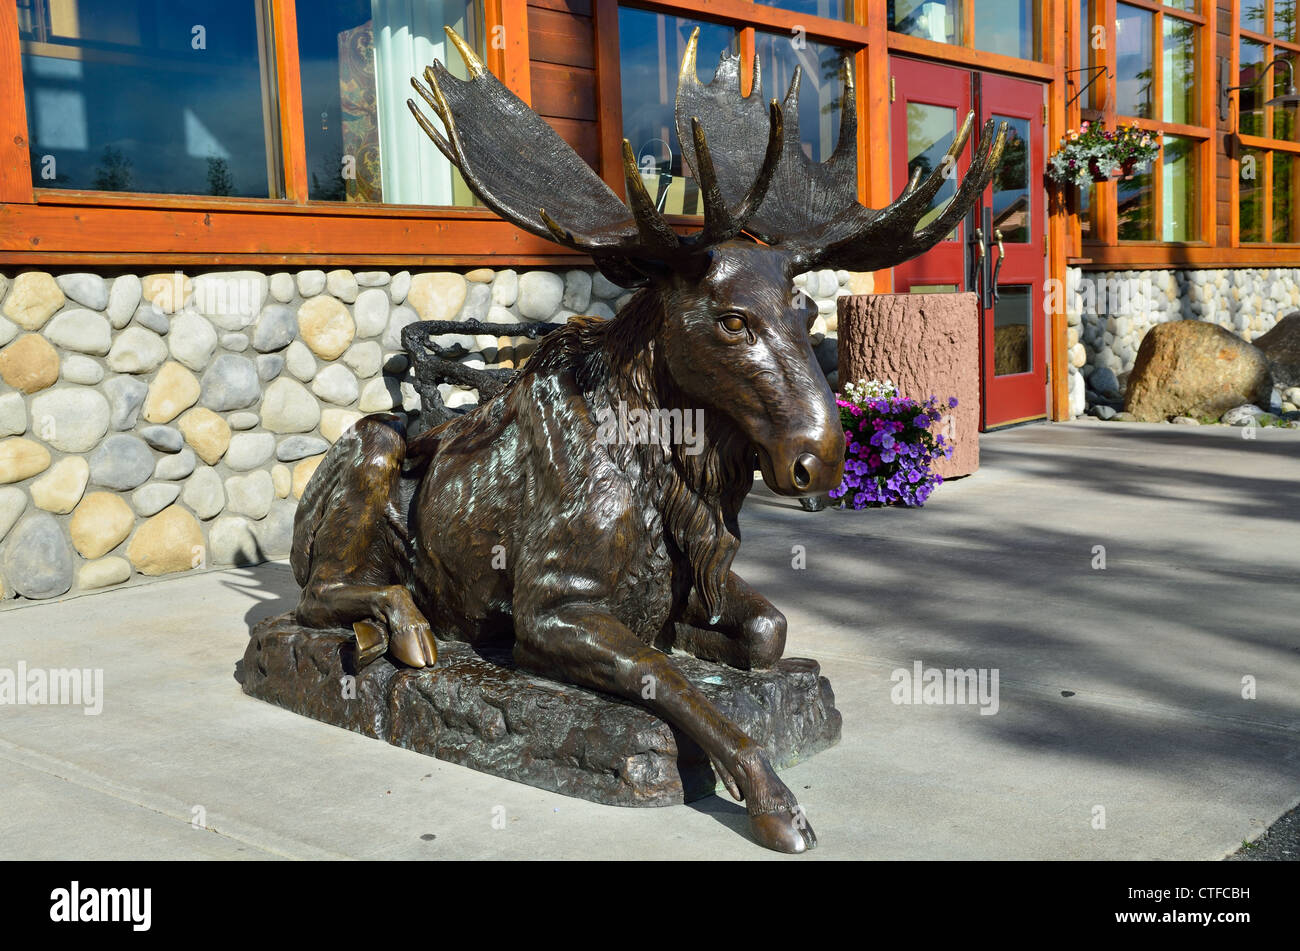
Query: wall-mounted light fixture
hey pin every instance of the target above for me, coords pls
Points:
(1289, 98)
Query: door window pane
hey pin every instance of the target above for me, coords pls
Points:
(1136, 207)
(1180, 221)
(930, 133)
(1009, 27)
(1012, 331)
(1251, 13)
(1133, 46)
(358, 57)
(1011, 196)
(149, 96)
(820, 89)
(1284, 117)
(938, 20)
(932, 289)
(1251, 103)
(1285, 169)
(1284, 20)
(830, 9)
(1250, 195)
(651, 46)
(1179, 72)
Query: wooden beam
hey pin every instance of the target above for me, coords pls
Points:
(508, 46)
(284, 23)
(609, 94)
(15, 161)
(875, 188)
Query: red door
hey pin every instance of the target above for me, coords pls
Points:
(998, 252)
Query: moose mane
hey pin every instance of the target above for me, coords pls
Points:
(698, 496)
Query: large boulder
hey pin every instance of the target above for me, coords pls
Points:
(1281, 346)
(1194, 368)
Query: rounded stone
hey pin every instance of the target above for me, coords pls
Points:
(336, 384)
(70, 418)
(398, 320)
(438, 295)
(325, 325)
(299, 361)
(335, 422)
(364, 359)
(380, 394)
(13, 415)
(480, 275)
(121, 462)
(242, 421)
(342, 284)
(62, 486)
(282, 288)
(137, 350)
(125, 396)
(176, 467)
(37, 561)
(237, 343)
(163, 438)
(477, 303)
(167, 292)
(249, 450)
(82, 370)
(230, 383)
(231, 299)
(101, 523)
(8, 330)
(371, 312)
(207, 433)
(499, 315)
(540, 294)
(153, 498)
(293, 448)
(150, 318)
(274, 533)
(505, 288)
(173, 391)
(205, 493)
(282, 479)
(33, 299)
(29, 363)
(123, 299)
(372, 278)
(603, 288)
(250, 494)
(80, 330)
(269, 366)
(13, 502)
(102, 573)
(310, 283)
(193, 340)
(170, 541)
(302, 474)
(400, 287)
(276, 328)
(577, 290)
(231, 542)
(287, 407)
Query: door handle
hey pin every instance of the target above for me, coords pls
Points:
(977, 262)
(997, 264)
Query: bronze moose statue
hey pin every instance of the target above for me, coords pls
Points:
(616, 551)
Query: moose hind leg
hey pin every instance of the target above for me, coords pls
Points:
(585, 645)
(749, 634)
(348, 540)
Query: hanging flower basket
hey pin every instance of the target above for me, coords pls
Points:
(1094, 154)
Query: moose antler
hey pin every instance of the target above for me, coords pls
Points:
(521, 169)
(811, 209)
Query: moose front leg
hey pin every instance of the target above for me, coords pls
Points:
(749, 634)
(586, 645)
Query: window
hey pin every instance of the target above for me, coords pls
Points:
(1266, 164)
(1009, 27)
(150, 96)
(357, 58)
(938, 20)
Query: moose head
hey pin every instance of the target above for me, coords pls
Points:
(719, 306)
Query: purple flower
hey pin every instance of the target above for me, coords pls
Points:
(952, 402)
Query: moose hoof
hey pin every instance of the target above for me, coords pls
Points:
(414, 646)
(783, 831)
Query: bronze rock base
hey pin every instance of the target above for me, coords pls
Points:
(477, 710)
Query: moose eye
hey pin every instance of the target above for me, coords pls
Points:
(733, 323)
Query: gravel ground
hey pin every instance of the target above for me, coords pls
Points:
(1281, 843)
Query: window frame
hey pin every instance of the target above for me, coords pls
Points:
(1265, 144)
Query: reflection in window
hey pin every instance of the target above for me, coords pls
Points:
(1251, 104)
(1179, 221)
(938, 20)
(1133, 45)
(930, 133)
(820, 89)
(1251, 13)
(1284, 124)
(149, 96)
(358, 57)
(1178, 75)
(1136, 207)
(1285, 169)
(1284, 20)
(830, 9)
(1250, 195)
(1080, 79)
(1009, 27)
(651, 46)
(1011, 198)
(1012, 330)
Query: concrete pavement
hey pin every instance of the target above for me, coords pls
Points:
(1121, 730)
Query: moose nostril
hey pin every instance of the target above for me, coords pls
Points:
(803, 467)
